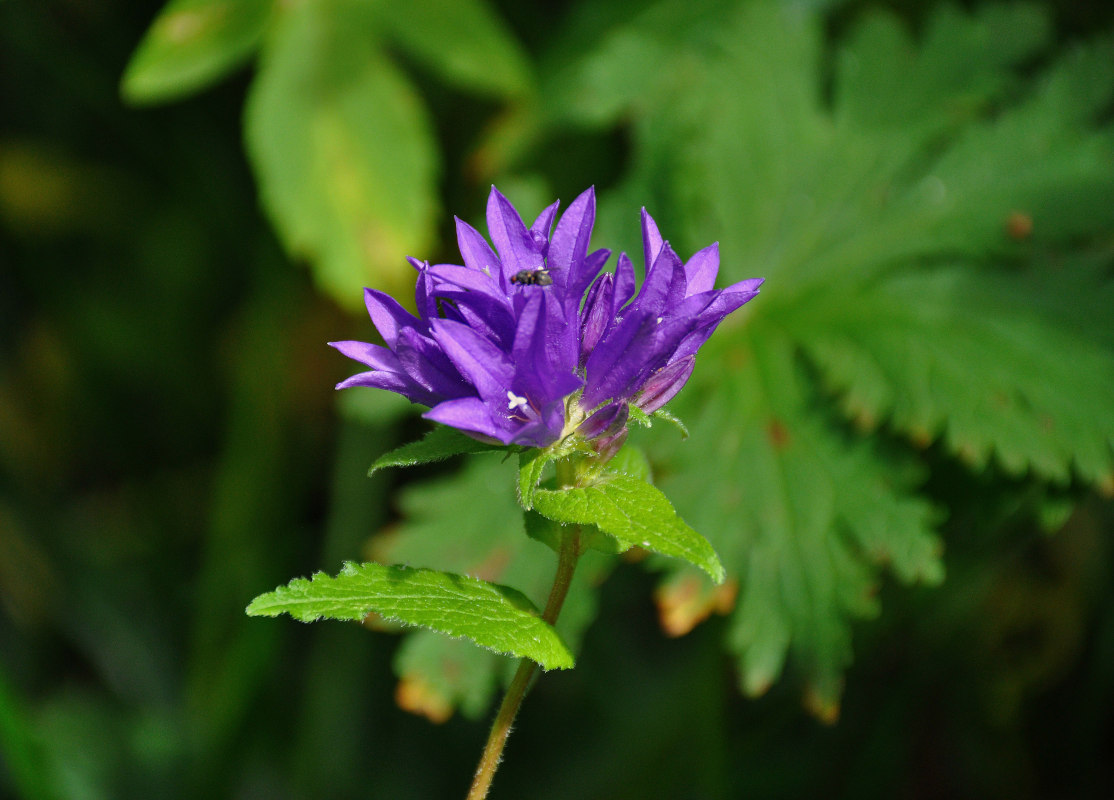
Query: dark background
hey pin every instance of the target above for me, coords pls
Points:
(170, 447)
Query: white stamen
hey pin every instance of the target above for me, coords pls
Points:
(486, 271)
(514, 401)
(660, 319)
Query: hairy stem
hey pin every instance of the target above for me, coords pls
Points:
(501, 728)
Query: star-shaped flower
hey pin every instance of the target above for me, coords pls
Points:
(507, 348)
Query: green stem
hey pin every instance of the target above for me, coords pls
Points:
(501, 728)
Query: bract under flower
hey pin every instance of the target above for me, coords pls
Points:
(510, 357)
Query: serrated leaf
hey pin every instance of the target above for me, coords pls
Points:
(465, 41)
(439, 444)
(635, 513)
(497, 617)
(911, 150)
(953, 353)
(342, 148)
(191, 45)
(959, 63)
(487, 542)
(803, 516)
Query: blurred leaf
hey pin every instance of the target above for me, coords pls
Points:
(955, 353)
(945, 77)
(342, 148)
(496, 617)
(634, 513)
(465, 41)
(20, 747)
(439, 444)
(191, 45)
(934, 149)
(632, 461)
(803, 517)
(429, 688)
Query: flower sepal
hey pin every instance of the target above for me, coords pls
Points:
(637, 415)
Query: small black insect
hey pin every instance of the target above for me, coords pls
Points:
(532, 277)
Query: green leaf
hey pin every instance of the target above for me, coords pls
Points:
(961, 62)
(632, 461)
(450, 673)
(439, 444)
(496, 617)
(847, 172)
(531, 465)
(803, 516)
(486, 542)
(191, 45)
(668, 416)
(954, 353)
(633, 512)
(342, 149)
(465, 41)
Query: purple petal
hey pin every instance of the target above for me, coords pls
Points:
(544, 224)
(480, 361)
(545, 430)
(570, 240)
(477, 253)
(636, 348)
(624, 283)
(605, 367)
(651, 240)
(712, 313)
(388, 316)
(490, 316)
(371, 354)
(701, 269)
(471, 415)
(605, 422)
(424, 299)
(542, 368)
(583, 273)
(663, 282)
(597, 314)
(512, 240)
(608, 446)
(392, 382)
(664, 384)
(427, 365)
(561, 333)
(749, 285)
(467, 278)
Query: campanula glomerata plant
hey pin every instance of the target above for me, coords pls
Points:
(530, 348)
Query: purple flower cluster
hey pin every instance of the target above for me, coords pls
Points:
(508, 348)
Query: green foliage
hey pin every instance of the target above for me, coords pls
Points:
(192, 44)
(342, 147)
(463, 41)
(634, 513)
(487, 542)
(908, 230)
(341, 143)
(439, 444)
(923, 383)
(496, 617)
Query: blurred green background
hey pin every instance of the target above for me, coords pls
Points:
(902, 450)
